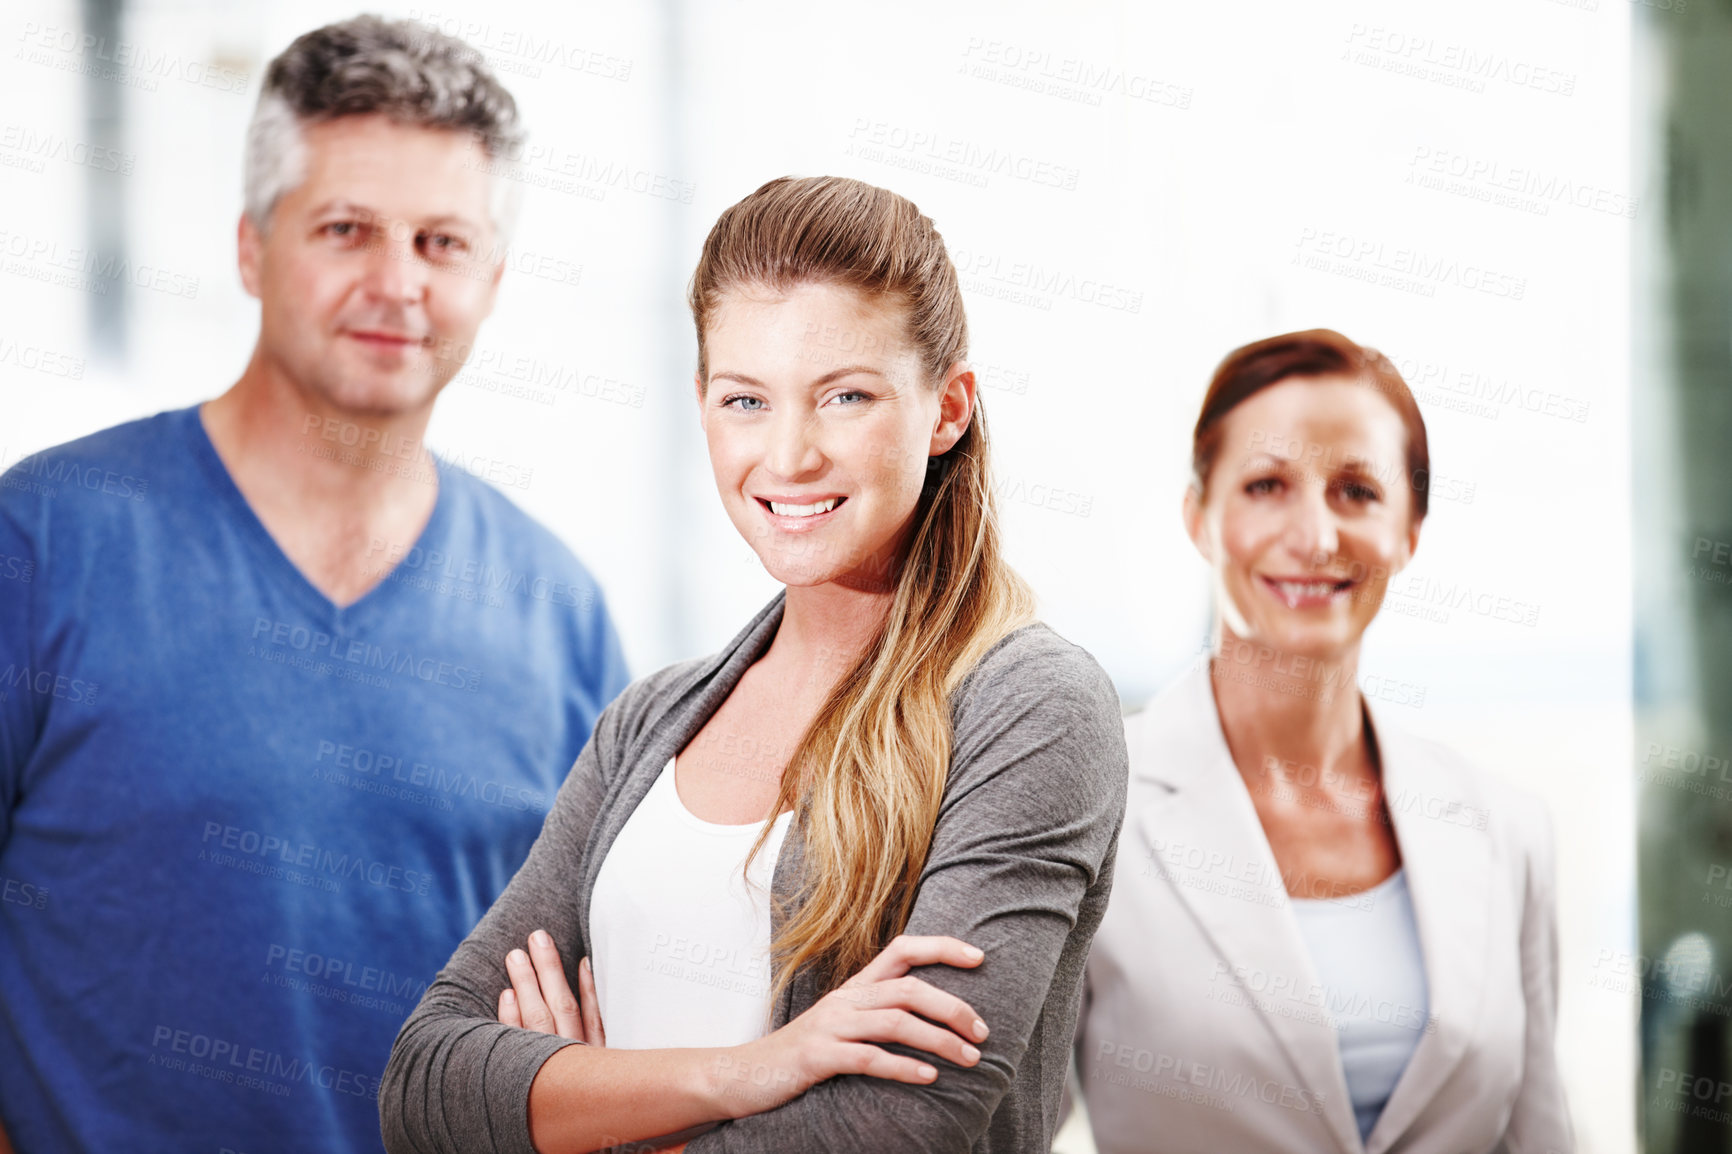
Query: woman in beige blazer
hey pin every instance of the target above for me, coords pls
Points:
(1324, 935)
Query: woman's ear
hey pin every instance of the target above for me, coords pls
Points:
(1192, 512)
(955, 408)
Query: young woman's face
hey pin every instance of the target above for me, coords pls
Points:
(1307, 514)
(820, 423)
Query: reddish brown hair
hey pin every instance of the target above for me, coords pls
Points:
(1249, 369)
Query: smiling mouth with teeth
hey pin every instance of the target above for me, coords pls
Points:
(784, 510)
(1298, 593)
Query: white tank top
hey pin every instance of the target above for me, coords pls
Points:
(1366, 950)
(680, 943)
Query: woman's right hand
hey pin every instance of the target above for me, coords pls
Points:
(881, 1003)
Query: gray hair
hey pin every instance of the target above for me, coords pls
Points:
(406, 71)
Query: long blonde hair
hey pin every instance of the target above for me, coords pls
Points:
(869, 773)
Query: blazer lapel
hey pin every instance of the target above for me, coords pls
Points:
(1204, 836)
(1447, 855)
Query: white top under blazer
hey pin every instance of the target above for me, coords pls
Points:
(681, 940)
(1365, 949)
(1205, 1028)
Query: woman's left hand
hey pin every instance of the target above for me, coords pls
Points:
(540, 998)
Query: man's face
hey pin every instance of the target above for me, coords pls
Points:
(378, 269)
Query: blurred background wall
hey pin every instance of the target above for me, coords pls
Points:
(1129, 190)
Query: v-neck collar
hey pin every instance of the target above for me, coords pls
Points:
(289, 576)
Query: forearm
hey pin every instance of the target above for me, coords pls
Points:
(1022, 850)
(587, 1098)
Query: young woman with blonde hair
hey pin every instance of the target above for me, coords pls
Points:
(754, 870)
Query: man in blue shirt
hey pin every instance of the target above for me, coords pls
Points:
(283, 697)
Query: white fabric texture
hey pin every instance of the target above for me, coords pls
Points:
(681, 940)
(1365, 949)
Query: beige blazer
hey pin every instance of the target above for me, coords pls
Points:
(1204, 1026)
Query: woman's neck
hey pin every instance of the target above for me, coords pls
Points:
(826, 627)
(1279, 710)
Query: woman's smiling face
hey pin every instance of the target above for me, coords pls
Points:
(1307, 514)
(820, 422)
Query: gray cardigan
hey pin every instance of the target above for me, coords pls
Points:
(1020, 865)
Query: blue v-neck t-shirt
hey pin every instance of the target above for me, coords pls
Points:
(242, 828)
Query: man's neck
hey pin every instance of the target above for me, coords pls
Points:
(340, 492)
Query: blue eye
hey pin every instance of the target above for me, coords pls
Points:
(747, 404)
(1263, 485)
(853, 393)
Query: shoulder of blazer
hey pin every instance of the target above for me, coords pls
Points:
(1510, 814)
(1172, 736)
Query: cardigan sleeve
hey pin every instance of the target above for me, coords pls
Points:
(1540, 1121)
(458, 1079)
(1028, 826)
